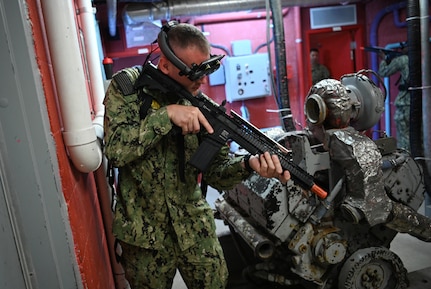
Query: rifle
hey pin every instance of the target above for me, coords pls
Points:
(226, 127)
(389, 53)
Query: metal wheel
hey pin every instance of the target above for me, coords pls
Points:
(373, 268)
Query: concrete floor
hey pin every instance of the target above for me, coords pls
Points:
(415, 254)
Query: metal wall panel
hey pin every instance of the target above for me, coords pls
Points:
(36, 250)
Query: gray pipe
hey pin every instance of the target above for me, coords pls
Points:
(282, 93)
(263, 247)
(426, 90)
(415, 82)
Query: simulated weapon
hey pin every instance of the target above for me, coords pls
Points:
(389, 53)
(226, 127)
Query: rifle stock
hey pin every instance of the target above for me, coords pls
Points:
(226, 127)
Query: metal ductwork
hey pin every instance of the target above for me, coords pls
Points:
(159, 10)
(148, 11)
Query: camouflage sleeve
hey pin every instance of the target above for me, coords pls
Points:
(386, 69)
(225, 171)
(127, 137)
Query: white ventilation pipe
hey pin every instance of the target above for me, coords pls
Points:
(79, 134)
(86, 14)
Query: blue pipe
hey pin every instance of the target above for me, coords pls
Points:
(374, 57)
(388, 94)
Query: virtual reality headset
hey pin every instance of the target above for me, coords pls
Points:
(196, 71)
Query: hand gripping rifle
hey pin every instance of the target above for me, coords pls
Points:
(226, 127)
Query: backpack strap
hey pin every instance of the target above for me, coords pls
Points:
(126, 78)
(146, 101)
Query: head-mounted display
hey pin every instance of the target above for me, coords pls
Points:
(196, 71)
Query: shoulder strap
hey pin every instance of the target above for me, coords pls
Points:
(126, 79)
(146, 100)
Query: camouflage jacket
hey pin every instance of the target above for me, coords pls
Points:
(152, 199)
(319, 72)
(398, 64)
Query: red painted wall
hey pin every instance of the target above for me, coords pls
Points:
(255, 31)
(78, 188)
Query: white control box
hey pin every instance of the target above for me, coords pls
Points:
(247, 77)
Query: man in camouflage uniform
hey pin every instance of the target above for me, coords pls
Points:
(162, 220)
(402, 101)
(318, 71)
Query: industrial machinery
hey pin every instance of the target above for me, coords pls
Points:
(296, 238)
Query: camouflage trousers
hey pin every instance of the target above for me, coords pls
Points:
(402, 124)
(202, 266)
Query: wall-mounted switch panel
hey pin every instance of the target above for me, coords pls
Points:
(247, 77)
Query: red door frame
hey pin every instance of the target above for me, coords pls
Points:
(335, 57)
